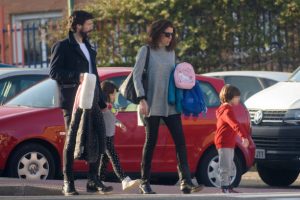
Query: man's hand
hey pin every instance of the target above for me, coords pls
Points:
(81, 77)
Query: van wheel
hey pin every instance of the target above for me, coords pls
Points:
(32, 162)
(277, 177)
(208, 170)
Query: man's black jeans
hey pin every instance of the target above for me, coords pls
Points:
(174, 125)
(68, 153)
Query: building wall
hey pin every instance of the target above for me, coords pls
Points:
(16, 11)
(13, 7)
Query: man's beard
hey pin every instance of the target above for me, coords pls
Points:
(84, 35)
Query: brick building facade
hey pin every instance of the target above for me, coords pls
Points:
(21, 47)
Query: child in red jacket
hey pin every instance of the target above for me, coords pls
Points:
(227, 128)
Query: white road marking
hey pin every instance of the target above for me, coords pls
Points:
(284, 199)
(271, 195)
(268, 194)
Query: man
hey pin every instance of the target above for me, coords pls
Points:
(70, 59)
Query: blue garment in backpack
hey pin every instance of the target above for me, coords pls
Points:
(175, 95)
(193, 101)
(189, 102)
(172, 90)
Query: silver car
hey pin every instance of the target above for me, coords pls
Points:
(15, 80)
(250, 82)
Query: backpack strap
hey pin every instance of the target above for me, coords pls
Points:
(147, 60)
(145, 70)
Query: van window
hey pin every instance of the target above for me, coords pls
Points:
(267, 82)
(296, 76)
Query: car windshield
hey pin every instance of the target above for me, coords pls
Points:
(42, 95)
(295, 76)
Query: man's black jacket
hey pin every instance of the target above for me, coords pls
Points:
(67, 62)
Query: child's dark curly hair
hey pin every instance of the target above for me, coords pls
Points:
(108, 88)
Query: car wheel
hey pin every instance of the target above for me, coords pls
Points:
(208, 170)
(277, 177)
(32, 162)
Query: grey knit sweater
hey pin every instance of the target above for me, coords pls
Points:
(161, 64)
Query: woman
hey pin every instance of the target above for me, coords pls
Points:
(154, 104)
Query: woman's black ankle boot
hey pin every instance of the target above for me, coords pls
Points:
(189, 187)
(145, 188)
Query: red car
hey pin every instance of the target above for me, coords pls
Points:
(32, 136)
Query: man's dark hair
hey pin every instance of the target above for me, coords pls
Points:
(79, 17)
(157, 28)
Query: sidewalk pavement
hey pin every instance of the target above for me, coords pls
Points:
(19, 187)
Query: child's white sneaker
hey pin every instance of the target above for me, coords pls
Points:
(128, 184)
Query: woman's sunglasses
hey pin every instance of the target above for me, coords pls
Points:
(168, 35)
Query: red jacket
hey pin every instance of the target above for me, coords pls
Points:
(227, 127)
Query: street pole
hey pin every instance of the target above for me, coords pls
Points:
(2, 39)
(70, 7)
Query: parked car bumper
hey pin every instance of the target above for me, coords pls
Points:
(277, 146)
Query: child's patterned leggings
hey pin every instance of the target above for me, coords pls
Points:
(110, 155)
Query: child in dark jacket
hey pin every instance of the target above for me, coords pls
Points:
(109, 91)
(227, 129)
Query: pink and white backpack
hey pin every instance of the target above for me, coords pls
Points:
(184, 76)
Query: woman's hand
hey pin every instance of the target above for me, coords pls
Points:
(144, 109)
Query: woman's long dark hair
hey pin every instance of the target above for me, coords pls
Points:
(108, 88)
(157, 28)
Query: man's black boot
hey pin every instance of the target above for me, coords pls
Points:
(69, 188)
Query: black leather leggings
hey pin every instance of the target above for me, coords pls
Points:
(174, 124)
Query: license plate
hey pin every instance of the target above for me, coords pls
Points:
(260, 154)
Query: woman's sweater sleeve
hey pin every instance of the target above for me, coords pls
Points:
(138, 72)
(229, 118)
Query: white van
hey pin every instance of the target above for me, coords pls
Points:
(275, 117)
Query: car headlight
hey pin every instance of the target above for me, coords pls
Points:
(292, 117)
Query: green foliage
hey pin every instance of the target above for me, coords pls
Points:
(212, 34)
